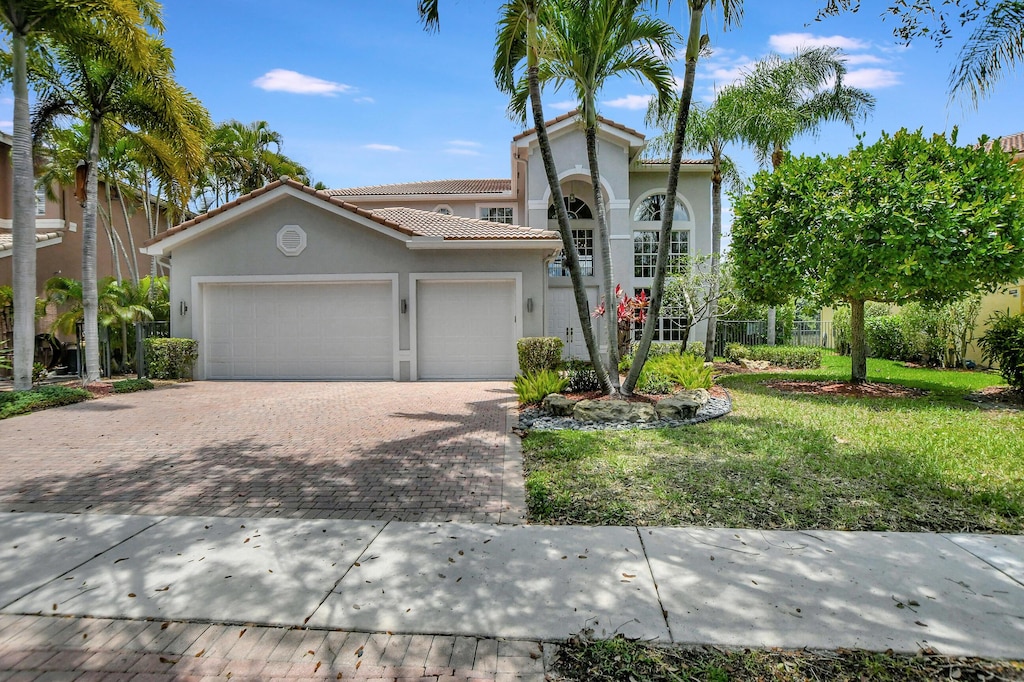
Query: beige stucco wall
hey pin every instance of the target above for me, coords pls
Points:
(336, 246)
(1009, 299)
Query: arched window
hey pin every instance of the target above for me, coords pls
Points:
(650, 209)
(443, 209)
(575, 207)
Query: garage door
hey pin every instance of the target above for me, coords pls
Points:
(466, 330)
(323, 330)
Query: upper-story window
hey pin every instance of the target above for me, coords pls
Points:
(575, 207)
(443, 209)
(40, 201)
(650, 209)
(585, 247)
(645, 252)
(497, 214)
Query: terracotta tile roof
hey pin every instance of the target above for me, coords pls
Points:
(575, 112)
(1012, 143)
(7, 239)
(430, 224)
(408, 221)
(665, 162)
(486, 186)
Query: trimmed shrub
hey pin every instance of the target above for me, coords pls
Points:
(581, 377)
(734, 352)
(1003, 343)
(798, 357)
(22, 402)
(887, 337)
(171, 358)
(696, 349)
(539, 352)
(531, 388)
(132, 385)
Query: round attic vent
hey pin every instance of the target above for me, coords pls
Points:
(291, 240)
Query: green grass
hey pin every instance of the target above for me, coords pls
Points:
(621, 659)
(132, 385)
(21, 402)
(932, 463)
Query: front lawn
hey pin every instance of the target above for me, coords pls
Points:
(787, 460)
(22, 402)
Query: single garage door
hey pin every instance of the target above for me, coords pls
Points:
(298, 330)
(466, 329)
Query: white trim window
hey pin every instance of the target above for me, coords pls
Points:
(584, 239)
(498, 214)
(443, 209)
(673, 324)
(40, 201)
(649, 209)
(645, 252)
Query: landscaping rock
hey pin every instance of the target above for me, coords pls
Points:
(759, 365)
(682, 405)
(558, 405)
(613, 411)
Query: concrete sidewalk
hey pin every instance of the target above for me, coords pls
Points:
(958, 594)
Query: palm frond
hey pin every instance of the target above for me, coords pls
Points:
(993, 48)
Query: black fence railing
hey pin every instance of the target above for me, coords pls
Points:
(811, 333)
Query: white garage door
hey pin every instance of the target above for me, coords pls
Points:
(301, 330)
(466, 330)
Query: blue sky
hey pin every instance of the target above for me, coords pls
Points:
(362, 95)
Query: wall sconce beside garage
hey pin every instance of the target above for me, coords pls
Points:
(291, 240)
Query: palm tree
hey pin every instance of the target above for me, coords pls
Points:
(695, 42)
(102, 86)
(583, 44)
(995, 46)
(120, 25)
(709, 131)
(781, 99)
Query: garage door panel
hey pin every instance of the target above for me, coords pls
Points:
(321, 330)
(466, 329)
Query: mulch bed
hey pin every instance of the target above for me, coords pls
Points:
(846, 389)
(997, 398)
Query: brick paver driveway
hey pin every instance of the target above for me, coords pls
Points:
(406, 451)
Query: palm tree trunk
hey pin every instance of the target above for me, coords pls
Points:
(572, 257)
(108, 228)
(716, 251)
(611, 317)
(133, 262)
(778, 154)
(24, 224)
(90, 295)
(665, 237)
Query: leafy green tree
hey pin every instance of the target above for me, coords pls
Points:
(710, 130)
(108, 88)
(908, 218)
(119, 25)
(584, 43)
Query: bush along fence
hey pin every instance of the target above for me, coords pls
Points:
(170, 358)
(808, 333)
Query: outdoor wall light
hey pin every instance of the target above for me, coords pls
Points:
(529, 305)
(404, 307)
(182, 308)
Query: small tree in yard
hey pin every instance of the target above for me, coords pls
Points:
(909, 218)
(702, 291)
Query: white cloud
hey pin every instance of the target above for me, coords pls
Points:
(563, 106)
(854, 59)
(7, 126)
(791, 42)
(870, 79)
(464, 143)
(283, 80)
(632, 102)
(374, 146)
(462, 151)
(364, 100)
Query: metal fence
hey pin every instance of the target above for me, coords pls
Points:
(811, 333)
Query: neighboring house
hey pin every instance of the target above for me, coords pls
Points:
(59, 235)
(426, 280)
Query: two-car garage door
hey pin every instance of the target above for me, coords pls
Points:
(464, 329)
(298, 330)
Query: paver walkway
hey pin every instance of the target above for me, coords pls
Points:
(370, 450)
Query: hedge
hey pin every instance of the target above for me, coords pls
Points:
(799, 357)
(538, 353)
(170, 358)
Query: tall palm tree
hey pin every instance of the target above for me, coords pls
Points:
(732, 11)
(782, 98)
(584, 43)
(710, 130)
(121, 25)
(102, 86)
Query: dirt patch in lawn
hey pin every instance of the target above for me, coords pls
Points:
(843, 388)
(997, 398)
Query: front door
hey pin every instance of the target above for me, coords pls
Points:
(564, 321)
